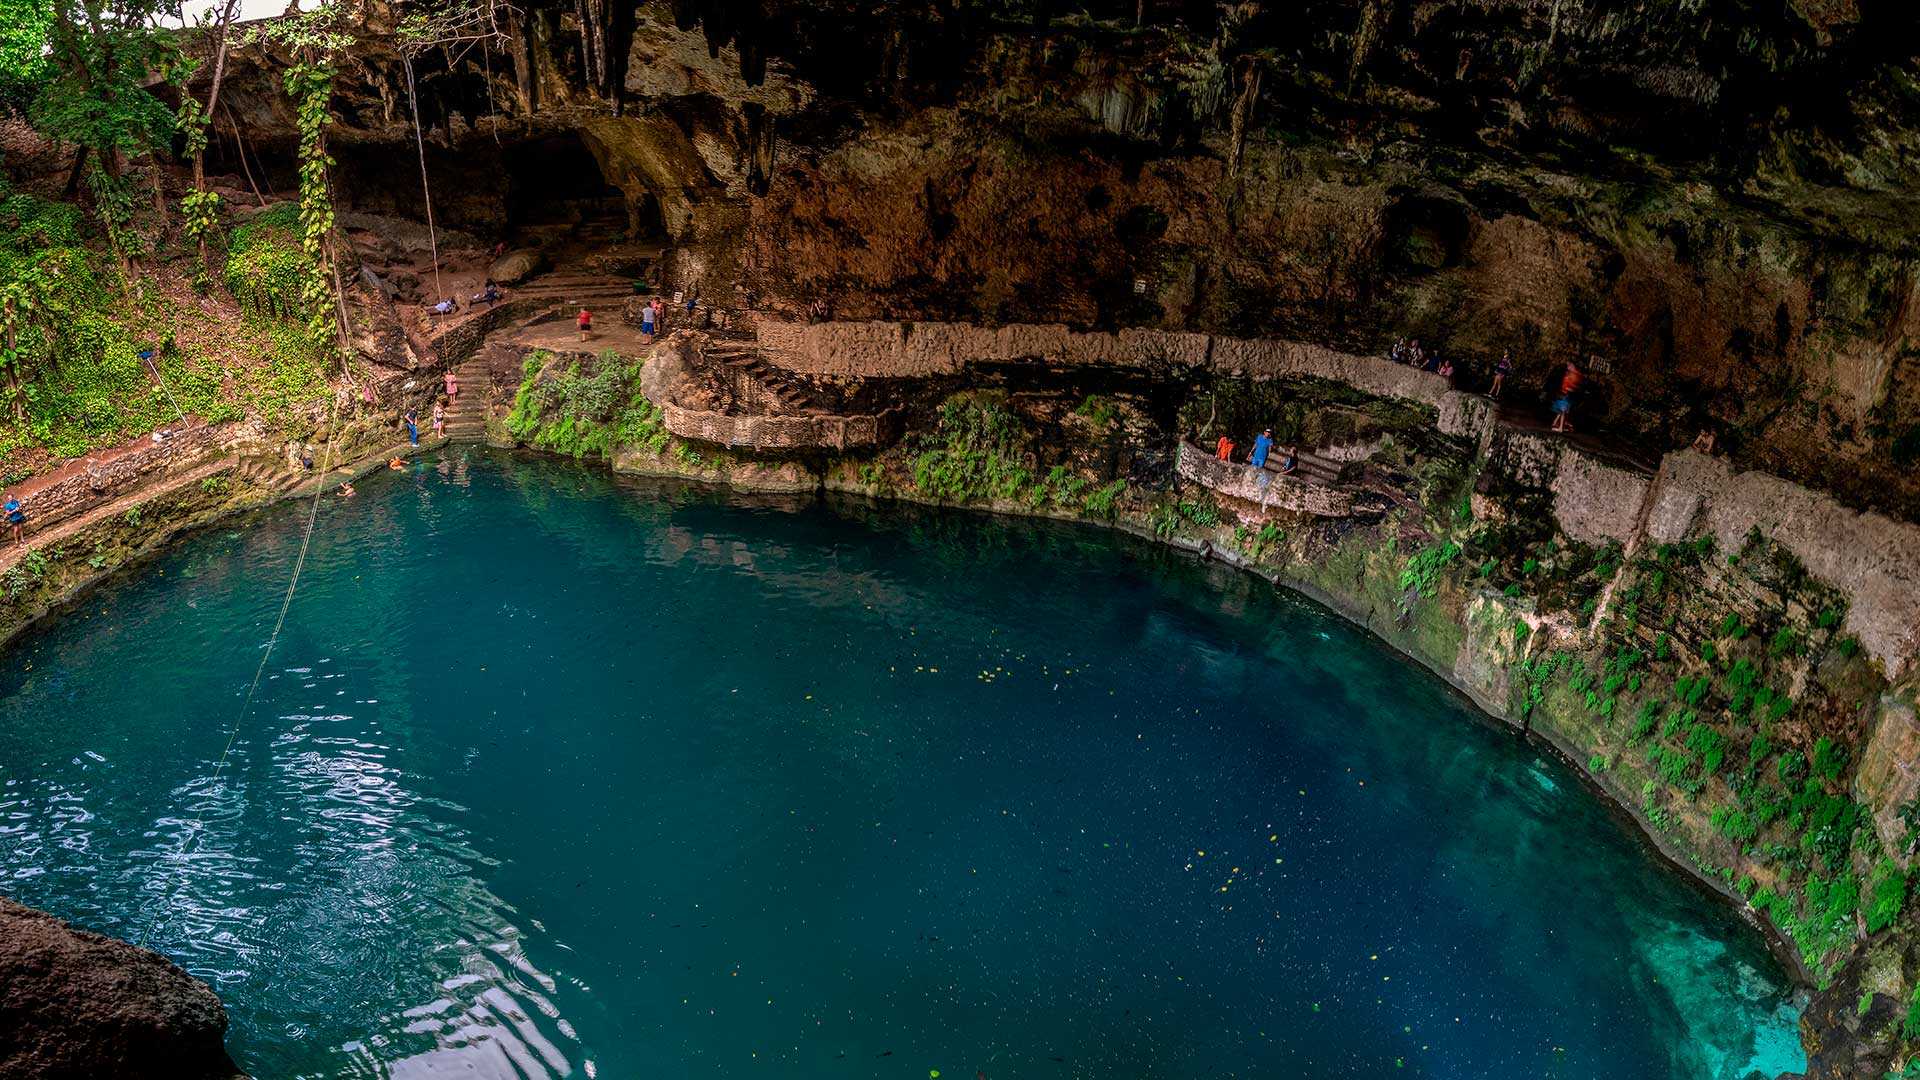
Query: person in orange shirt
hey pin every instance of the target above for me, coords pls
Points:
(1224, 449)
(1562, 405)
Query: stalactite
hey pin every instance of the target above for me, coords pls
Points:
(759, 148)
(619, 50)
(521, 49)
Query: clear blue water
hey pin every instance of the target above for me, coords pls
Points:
(555, 775)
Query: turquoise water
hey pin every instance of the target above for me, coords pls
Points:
(554, 775)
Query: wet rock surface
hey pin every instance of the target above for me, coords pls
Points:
(76, 1004)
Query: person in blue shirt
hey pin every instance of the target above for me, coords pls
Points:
(1260, 447)
(16, 518)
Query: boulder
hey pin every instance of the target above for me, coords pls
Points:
(517, 266)
(77, 1004)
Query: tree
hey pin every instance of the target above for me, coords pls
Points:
(202, 207)
(23, 47)
(99, 55)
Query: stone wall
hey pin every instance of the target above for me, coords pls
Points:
(767, 432)
(897, 349)
(1873, 559)
(1261, 488)
(118, 476)
(1595, 501)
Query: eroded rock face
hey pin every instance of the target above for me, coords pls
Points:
(75, 1004)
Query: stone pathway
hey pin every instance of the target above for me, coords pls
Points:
(13, 553)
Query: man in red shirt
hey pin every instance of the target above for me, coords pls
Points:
(1563, 404)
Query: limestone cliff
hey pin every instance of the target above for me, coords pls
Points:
(1714, 204)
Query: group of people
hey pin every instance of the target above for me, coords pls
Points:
(1410, 352)
(489, 295)
(653, 320)
(1261, 452)
(1566, 384)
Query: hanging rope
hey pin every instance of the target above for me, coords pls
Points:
(273, 639)
(153, 365)
(426, 192)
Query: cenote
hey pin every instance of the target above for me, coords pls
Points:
(554, 774)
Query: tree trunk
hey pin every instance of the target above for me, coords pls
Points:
(213, 101)
(79, 170)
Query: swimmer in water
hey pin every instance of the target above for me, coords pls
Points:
(396, 464)
(346, 491)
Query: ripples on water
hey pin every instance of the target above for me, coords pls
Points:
(549, 778)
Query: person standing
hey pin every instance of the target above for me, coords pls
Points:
(413, 425)
(453, 387)
(439, 421)
(649, 319)
(1501, 369)
(586, 323)
(1261, 444)
(16, 519)
(1563, 405)
(1223, 449)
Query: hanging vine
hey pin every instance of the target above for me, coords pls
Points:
(310, 84)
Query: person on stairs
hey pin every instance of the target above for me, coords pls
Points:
(439, 421)
(453, 387)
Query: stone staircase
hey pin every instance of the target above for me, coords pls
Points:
(575, 289)
(748, 360)
(467, 417)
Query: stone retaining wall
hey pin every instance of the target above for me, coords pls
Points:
(1872, 558)
(85, 490)
(895, 350)
(768, 432)
(455, 343)
(1594, 501)
(1261, 488)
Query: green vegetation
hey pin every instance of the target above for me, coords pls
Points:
(980, 451)
(1422, 572)
(560, 407)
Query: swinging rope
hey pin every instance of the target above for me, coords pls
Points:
(279, 623)
(426, 192)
